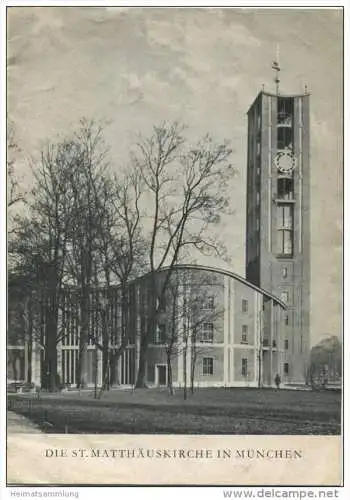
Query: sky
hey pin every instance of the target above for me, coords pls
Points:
(134, 67)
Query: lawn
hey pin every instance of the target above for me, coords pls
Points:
(207, 411)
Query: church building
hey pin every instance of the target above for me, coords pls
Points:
(231, 331)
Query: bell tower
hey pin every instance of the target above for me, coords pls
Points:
(278, 215)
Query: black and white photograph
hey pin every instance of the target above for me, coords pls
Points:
(174, 232)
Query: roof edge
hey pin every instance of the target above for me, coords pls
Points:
(273, 94)
(199, 267)
(225, 272)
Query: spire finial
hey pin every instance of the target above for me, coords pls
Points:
(276, 68)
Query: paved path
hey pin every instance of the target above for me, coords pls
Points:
(17, 424)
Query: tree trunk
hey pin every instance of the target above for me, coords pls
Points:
(170, 373)
(30, 342)
(83, 342)
(52, 382)
(185, 372)
(113, 375)
(193, 368)
(105, 368)
(147, 333)
(82, 365)
(141, 374)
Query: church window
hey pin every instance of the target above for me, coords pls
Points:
(285, 111)
(285, 189)
(284, 138)
(285, 242)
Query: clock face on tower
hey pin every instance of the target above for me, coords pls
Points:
(285, 161)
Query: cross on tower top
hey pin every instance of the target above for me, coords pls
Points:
(276, 68)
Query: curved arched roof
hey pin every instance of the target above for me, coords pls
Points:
(224, 272)
(199, 267)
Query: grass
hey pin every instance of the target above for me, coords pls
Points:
(208, 411)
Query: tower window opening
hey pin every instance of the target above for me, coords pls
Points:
(285, 189)
(284, 272)
(285, 111)
(285, 229)
(286, 369)
(285, 216)
(284, 138)
(285, 242)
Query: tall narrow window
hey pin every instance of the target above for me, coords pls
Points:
(207, 302)
(160, 334)
(285, 242)
(286, 319)
(285, 111)
(244, 305)
(284, 272)
(285, 229)
(208, 366)
(285, 216)
(284, 297)
(286, 369)
(285, 189)
(244, 367)
(284, 138)
(244, 334)
(206, 333)
(286, 345)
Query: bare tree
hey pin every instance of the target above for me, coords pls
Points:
(39, 245)
(14, 192)
(194, 316)
(88, 185)
(120, 256)
(186, 196)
